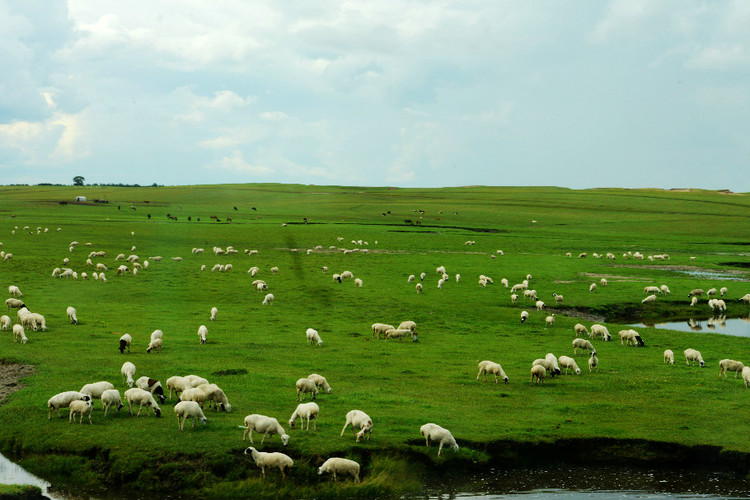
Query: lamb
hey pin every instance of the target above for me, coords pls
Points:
(486, 367)
(154, 344)
(151, 385)
(538, 372)
(187, 409)
(96, 389)
(111, 398)
(18, 334)
(312, 336)
(320, 382)
(275, 459)
(63, 400)
(125, 341)
(305, 411)
(358, 420)
(746, 376)
(669, 356)
(337, 465)
(358, 282)
(202, 332)
(524, 316)
(693, 355)
(214, 312)
(435, 432)
(569, 363)
(593, 362)
(266, 425)
(650, 298)
(514, 298)
(83, 408)
(581, 329)
(304, 386)
(14, 291)
(603, 281)
(141, 398)
(729, 365)
(582, 344)
(268, 299)
(4, 322)
(127, 370)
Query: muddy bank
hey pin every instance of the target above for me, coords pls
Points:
(10, 374)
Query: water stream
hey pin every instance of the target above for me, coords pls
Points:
(738, 327)
(11, 473)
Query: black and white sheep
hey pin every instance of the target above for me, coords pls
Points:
(63, 400)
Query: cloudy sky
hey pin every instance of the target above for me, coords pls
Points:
(412, 93)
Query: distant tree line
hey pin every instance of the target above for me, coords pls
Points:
(104, 184)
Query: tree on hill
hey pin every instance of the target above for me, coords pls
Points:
(78, 180)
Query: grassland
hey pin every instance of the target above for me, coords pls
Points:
(256, 353)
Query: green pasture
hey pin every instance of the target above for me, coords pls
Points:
(256, 353)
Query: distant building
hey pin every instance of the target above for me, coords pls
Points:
(80, 198)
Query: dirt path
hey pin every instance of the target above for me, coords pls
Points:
(9, 377)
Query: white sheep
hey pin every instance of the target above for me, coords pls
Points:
(397, 333)
(696, 292)
(603, 281)
(151, 385)
(514, 298)
(157, 334)
(214, 312)
(128, 371)
(39, 321)
(304, 386)
(14, 303)
(712, 291)
(141, 398)
(669, 356)
(486, 367)
(187, 409)
(582, 344)
(266, 425)
(195, 394)
(18, 334)
(539, 305)
(14, 291)
(694, 300)
(694, 356)
(434, 432)
(178, 385)
(410, 278)
(125, 341)
(358, 282)
(592, 287)
(195, 380)
(305, 411)
(581, 329)
(745, 298)
(154, 344)
(337, 465)
(275, 459)
(746, 376)
(730, 365)
(83, 408)
(4, 322)
(723, 290)
(320, 382)
(358, 420)
(630, 337)
(63, 400)
(548, 366)
(651, 289)
(550, 320)
(552, 359)
(538, 372)
(313, 337)
(569, 363)
(598, 330)
(419, 287)
(96, 389)
(202, 332)
(593, 362)
(111, 398)
(268, 299)
(665, 290)
(650, 298)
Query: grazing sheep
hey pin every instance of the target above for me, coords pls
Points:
(651, 289)
(358, 420)
(550, 320)
(187, 409)
(514, 298)
(195, 394)
(125, 341)
(18, 334)
(154, 344)
(380, 329)
(745, 298)
(581, 329)
(320, 382)
(746, 376)
(410, 278)
(603, 281)
(274, 459)
(694, 301)
(696, 292)
(630, 337)
(729, 365)
(486, 367)
(650, 298)
(128, 371)
(539, 305)
(434, 432)
(569, 363)
(524, 316)
(592, 287)
(266, 425)
(214, 394)
(693, 355)
(669, 356)
(4, 322)
(83, 408)
(268, 299)
(304, 386)
(552, 359)
(548, 366)
(110, 398)
(538, 372)
(202, 332)
(558, 298)
(63, 400)
(397, 333)
(723, 290)
(337, 465)
(141, 398)
(178, 385)
(14, 304)
(305, 411)
(712, 291)
(598, 330)
(593, 362)
(14, 291)
(665, 290)
(151, 385)
(582, 344)
(358, 282)
(195, 380)
(96, 389)
(313, 337)
(419, 287)
(214, 312)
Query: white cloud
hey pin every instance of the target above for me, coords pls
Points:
(59, 138)
(237, 163)
(721, 58)
(273, 116)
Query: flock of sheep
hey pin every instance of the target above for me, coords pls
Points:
(195, 393)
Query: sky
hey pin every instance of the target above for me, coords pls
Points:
(407, 93)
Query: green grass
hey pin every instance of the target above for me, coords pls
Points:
(401, 385)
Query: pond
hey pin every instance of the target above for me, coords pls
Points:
(738, 327)
(11, 473)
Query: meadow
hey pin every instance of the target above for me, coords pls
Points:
(256, 353)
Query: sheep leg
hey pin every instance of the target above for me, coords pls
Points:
(315, 424)
(179, 426)
(427, 441)
(70, 417)
(263, 471)
(250, 431)
(264, 438)
(139, 410)
(342, 430)
(440, 448)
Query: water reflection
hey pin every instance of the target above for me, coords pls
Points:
(11, 473)
(738, 327)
